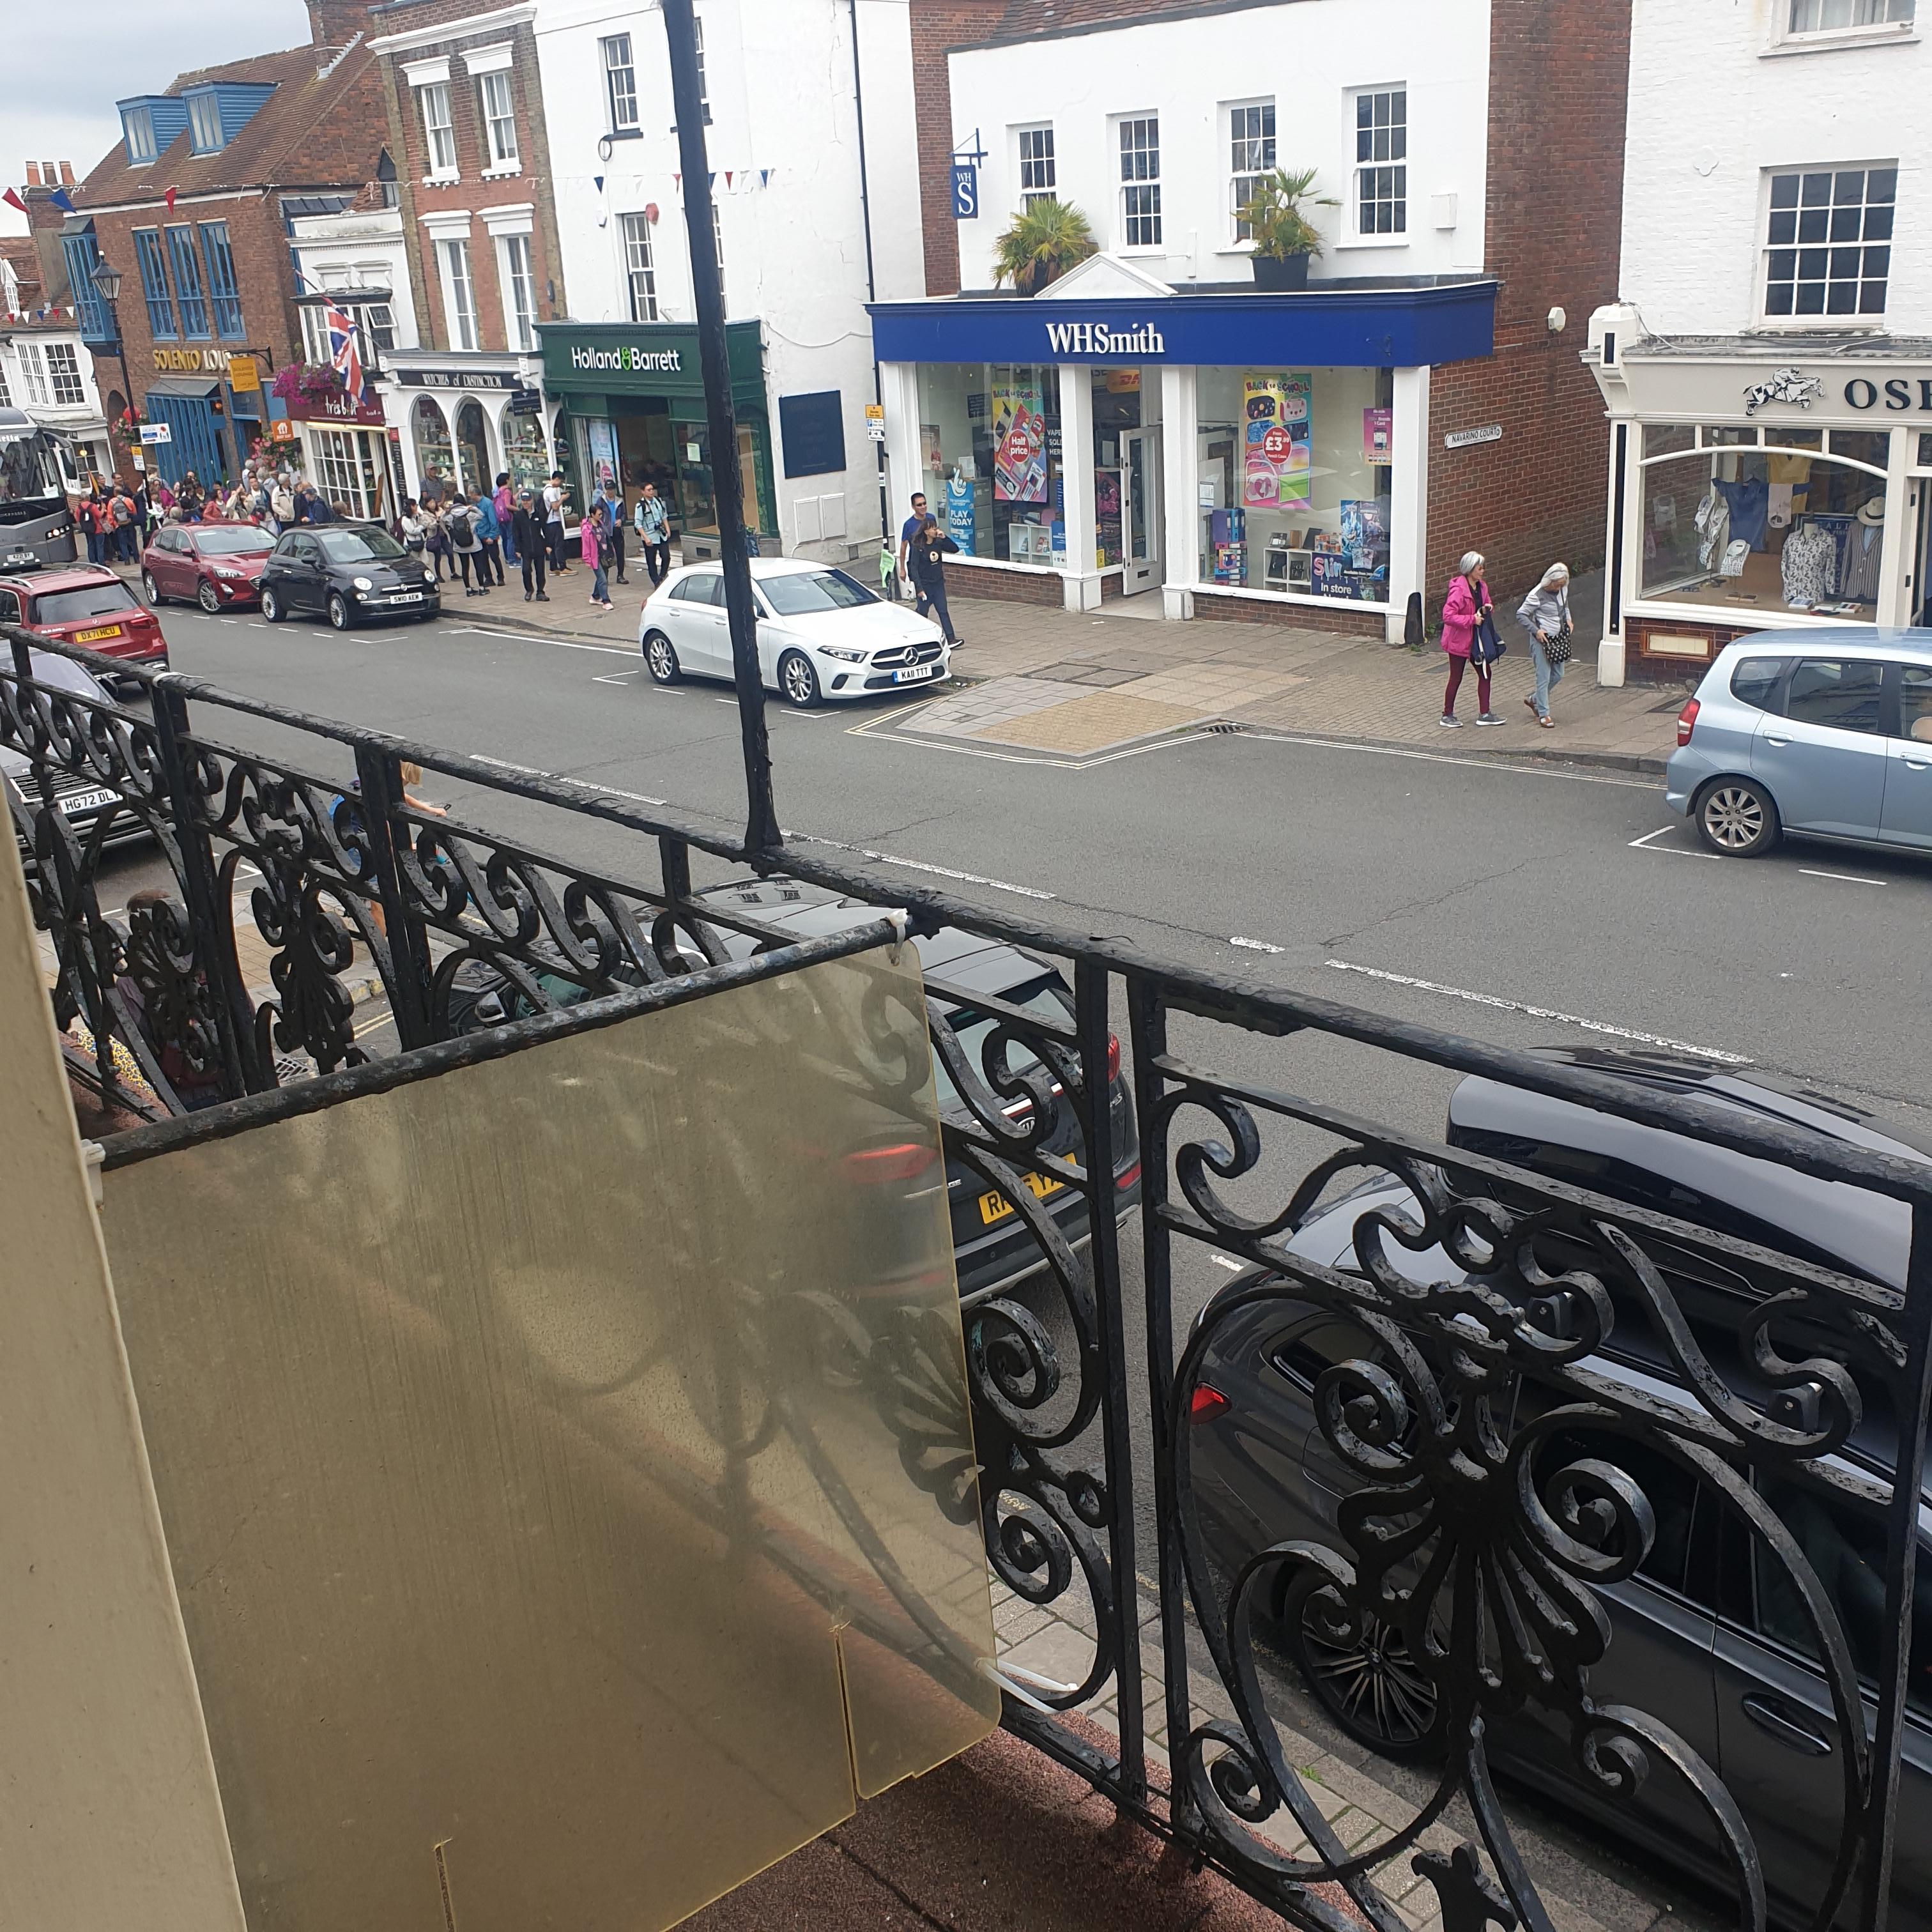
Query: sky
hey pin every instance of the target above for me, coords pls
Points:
(69, 68)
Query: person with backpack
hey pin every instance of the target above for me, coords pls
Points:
(613, 533)
(460, 519)
(526, 527)
(489, 535)
(652, 523)
(504, 504)
(1469, 638)
(120, 514)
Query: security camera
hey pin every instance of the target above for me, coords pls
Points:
(1558, 321)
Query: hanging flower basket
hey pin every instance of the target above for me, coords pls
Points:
(306, 381)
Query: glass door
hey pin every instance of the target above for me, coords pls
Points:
(1140, 511)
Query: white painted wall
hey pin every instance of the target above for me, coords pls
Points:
(1307, 56)
(779, 75)
(364, 249)
(1717, 99)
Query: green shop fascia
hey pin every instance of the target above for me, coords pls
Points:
(633, 397)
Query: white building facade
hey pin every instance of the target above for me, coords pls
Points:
(1768, 369)
(811, 223)
(47, 371)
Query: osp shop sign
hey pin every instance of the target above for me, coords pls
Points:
(626, 360)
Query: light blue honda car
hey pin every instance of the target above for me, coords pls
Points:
(1825, 734)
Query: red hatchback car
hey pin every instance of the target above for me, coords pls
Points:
(87, 606)
(214, 565)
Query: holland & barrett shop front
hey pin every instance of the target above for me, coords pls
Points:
(633, 413)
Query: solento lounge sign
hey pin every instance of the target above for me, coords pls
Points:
(625, 361)
(1096, 338)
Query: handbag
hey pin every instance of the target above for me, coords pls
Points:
(1557, 649)
(1486, 643)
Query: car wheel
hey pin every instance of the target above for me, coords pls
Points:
(1366, 1680)
(661, 659)
(206, 598)
(271, 606)
(339, 615)
(150, 589)
(797, 680)
(1737, 817)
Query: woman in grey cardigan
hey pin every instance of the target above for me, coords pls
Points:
(1545, 614)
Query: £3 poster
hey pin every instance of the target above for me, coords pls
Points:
(1278, 468)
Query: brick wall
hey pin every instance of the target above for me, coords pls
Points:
(1559, 80)
(936, 25)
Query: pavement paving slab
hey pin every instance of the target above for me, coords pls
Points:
(1097, 722)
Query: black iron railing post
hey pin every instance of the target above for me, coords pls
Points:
(1091, 981)
(1896, 1663)
(408, 976)
(209, 921)
(761, 826)
(23, 663)
(1147, 1020)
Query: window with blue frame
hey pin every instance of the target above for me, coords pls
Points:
(221, 289)
(137, 128)
(204, 121)
(187, 267)
(83, 253)
(154, 283)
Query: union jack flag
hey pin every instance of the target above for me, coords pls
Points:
(343, 357)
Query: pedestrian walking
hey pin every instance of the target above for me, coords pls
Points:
(1469, 637)
(90, 524)
(459, 520)
(652, 523)
(144, 511)
(122, 513)
(526, 528)
(504, 502)
(930, 547)
(590, 536)
(908, 530)
(282, 504)
(556, 498)
(610, 512)
(1545, 615)
(436, 541)
(489, 535)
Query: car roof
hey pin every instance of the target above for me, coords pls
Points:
(42, 580)
(771, 566)
(1911, 641)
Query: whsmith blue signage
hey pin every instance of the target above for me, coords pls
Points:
(1376, 328)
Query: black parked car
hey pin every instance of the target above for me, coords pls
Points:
(347, 571)
(992, 1247)
(1709, 1634)
(84, 804)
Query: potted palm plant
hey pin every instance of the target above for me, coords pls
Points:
(1042, 241)
(1285, 240)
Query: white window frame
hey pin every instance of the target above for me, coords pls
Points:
(519, 285)
(338, 458)
(1241, 180)
(1036, 175)
(35, 372)
(704, 84)
(64, 370)
(1394, 162)
(1856, 319)
(458, 274)
(641, 272)
(315, 333)
(1788, 38)
(620, 105)
(142, 151)
(6, 389)
(499, 129)
(438, 135)
(1137, 196)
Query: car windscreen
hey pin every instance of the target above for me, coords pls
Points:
(63, 674)
(357, 546)
(1045, 996)
(246, 542)
(91, 600)
(803, 592)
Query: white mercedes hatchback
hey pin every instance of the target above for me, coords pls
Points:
(821, 634)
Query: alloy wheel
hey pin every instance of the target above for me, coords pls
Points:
(660, 659)
(798, 680)
(1371, 1684)
(207, 599)
(149, 587)
(1735, 819)
(272, 607)
(338, 610)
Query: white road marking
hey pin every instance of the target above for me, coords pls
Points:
(229, 620)
(1541, 1012)
(612, 791)
(1643, 844)
(504, 765)
(618, 676)
(919, 865)
(1256, 945)
(1222, 1261)
(1848, 878)
(526, 637)
(1638, 781)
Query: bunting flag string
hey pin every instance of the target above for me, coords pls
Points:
(599, 180)
(169, 198)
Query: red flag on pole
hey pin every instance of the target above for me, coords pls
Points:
(13, 200)
(170, 199)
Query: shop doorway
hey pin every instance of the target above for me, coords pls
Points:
(1140, 511)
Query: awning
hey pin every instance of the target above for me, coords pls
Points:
(200, 387)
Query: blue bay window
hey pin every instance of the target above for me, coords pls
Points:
(222, 290)
(187, 266)
(154, 284)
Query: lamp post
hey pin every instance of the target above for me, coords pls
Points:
(106, 281)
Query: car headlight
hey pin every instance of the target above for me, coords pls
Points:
(222, 570)
(429, 577)
(363, 583)
(843, 656)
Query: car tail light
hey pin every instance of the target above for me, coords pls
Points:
(1206, 1402)
(871, 1166)
(1113, 1057)
(1127, 1176)
(1686, 721)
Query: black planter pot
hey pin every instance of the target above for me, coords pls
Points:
(1278, 272)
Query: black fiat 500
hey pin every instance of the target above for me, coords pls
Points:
(347, 572)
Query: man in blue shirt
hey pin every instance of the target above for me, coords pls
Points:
(909, 529)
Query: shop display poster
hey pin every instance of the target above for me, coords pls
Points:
(604, 451)
(1278, 468)
(929, 449)
(959, 514)
(1019, 444)
(1379, 437)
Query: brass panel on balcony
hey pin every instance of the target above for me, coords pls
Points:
(565, 1462)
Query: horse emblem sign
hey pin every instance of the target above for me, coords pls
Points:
(1783, 385)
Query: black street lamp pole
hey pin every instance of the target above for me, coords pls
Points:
(107, 281)
(761, 828)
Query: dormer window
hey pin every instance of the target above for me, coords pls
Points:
(204, 121)
(137, 129)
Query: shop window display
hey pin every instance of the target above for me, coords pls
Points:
(1295, 481)
(435, 455)
(1757, 519)
(990, 459)
(524, 454)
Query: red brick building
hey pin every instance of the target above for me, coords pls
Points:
(192, 206)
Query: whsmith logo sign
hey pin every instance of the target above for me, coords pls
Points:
(638, 361)
(1096, 338)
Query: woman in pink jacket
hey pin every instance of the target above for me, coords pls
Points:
(1462, 609)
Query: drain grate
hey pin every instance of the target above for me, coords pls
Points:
(1223, 728)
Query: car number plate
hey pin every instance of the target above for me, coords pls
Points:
(88, 801)
(406, 597)
(96, 635)
(25, 556)
(913, 673)
(995, 1207)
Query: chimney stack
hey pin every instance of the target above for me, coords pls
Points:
(66, 174)
(33, 174)
(334, 23)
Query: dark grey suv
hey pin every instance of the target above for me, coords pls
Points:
(1708, 1634)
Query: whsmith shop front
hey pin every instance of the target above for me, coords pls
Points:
(1239, 454)
(633, 413)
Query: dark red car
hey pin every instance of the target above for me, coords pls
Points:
(87, 606)
(216, 565)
